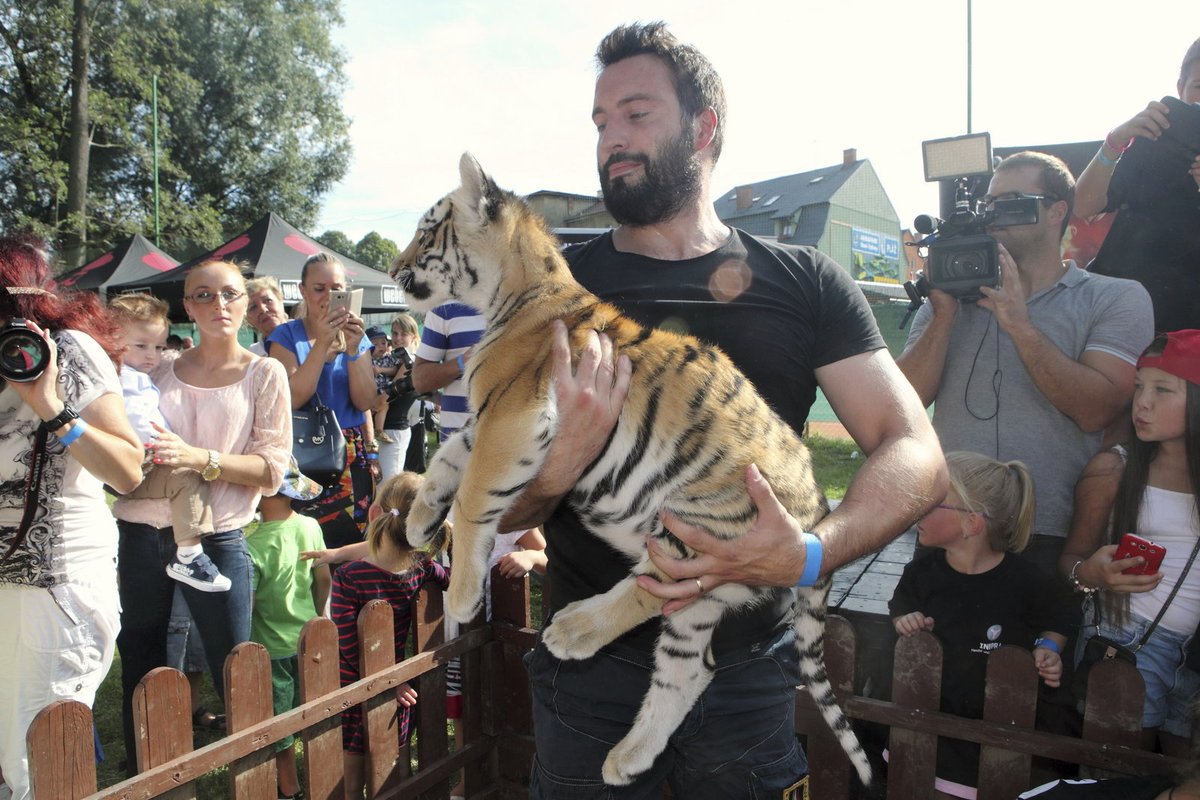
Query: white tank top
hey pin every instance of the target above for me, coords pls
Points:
(1169, 519)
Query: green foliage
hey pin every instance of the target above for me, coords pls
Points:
(250, 118)
(376, 251)
(835, 461)
(338, 242)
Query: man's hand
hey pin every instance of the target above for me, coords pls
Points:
(913, 623)
(1149, 124)
(770, 553)
(943, 304)
(1007, 303)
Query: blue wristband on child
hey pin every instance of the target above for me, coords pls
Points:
(814, 554)
(1049, 644)
(461, 367)
(70, 437)
(372, 456)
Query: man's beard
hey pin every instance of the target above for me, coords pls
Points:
(668, 183)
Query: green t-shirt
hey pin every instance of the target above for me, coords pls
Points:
(282, 582)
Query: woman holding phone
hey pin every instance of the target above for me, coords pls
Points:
(323, 353)
(1148, 488)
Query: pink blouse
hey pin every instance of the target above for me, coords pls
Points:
(252, 416)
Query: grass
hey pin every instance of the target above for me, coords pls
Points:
(834, 460)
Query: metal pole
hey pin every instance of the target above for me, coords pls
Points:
(969, 7)
(157, 227)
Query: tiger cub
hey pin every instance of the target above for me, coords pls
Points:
(689, 428)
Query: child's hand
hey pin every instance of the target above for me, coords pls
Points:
(517, 564)
(324, 558)
(1049, 665)
(406, 695)
(912, 624)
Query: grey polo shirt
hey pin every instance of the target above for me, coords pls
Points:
(988, 403)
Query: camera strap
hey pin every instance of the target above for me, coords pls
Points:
(37, 466)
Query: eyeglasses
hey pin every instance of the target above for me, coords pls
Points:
(989, 201)
(204, 297)
(983, 514)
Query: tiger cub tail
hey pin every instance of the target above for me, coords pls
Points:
(809, 624)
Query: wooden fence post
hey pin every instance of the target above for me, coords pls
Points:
(430, 719)
(1112, 709)
(324, 769)
(376, 652)
(247, 702)
(917, 685)
(62, 754)
(1010, 697)
(162, 722)
(828, 764)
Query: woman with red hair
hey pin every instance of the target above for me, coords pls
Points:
(63, 435)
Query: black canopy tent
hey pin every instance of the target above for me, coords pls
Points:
(135, 259)
(273, 247)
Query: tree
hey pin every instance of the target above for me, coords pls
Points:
(376, 251)
(250, 118)
(338, 242)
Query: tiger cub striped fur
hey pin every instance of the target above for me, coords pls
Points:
(691, 425)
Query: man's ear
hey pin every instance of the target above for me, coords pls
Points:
(704, 128)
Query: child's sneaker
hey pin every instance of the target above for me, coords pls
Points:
(200, 574)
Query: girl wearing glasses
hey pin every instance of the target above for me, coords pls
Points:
(974, 592)
(230, 420)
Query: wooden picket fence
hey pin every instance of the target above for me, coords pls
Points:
(498, 743)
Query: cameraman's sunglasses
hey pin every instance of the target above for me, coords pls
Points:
(989, 201)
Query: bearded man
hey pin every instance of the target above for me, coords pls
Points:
(791, 319)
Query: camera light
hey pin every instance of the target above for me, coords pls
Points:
(957, 157)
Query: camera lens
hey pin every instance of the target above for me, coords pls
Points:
(23, 353)
(966, 264)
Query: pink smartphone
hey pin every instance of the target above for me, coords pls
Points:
(1132, 546)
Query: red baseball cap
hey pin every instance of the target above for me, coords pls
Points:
(1180, 357)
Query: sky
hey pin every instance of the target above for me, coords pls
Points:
(512, 82)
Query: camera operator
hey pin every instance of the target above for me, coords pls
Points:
(1155, 237)
(1037, 368)
(400, 396)
(63, 434)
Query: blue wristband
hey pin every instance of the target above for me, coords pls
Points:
(351, 359)
(461, 367)
(69, 438)
(372, 456)
(1104, 159)
(1049, 644)
(814, 554)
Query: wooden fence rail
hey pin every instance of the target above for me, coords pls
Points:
(498, 743)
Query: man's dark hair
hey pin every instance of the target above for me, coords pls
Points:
(697, 84)
(1190, 57)
(1054, 176)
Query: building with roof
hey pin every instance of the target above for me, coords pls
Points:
(841, 210)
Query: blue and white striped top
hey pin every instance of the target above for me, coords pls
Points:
(450, 330)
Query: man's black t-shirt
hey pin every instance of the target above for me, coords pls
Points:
(778, 312)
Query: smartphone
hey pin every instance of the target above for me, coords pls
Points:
(342, 298)
(1132, 546)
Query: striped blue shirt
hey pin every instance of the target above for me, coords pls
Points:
(450, 330)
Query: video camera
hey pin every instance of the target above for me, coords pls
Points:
(961, 256)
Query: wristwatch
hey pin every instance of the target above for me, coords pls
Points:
(212, 470)
(64, 416)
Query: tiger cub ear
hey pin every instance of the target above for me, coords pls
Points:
(482, 193)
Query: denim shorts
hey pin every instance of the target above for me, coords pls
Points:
(737, 741)
(1171, 688)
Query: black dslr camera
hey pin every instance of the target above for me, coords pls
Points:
(961, 256)
(24, 353)
(401, 386)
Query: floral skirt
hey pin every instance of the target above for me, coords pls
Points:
(341, 509)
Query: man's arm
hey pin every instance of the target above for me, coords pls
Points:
(428, 376)
(1092, 391)
(924, 359)
(903, 477)
(588, 402)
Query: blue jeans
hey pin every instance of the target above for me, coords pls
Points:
(222, 618)
(738, 741)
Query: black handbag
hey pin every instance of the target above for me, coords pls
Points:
(318, 443)
(1100, 648)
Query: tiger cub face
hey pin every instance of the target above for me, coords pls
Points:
(450, 258)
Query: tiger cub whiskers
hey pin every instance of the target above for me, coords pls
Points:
(690, 427)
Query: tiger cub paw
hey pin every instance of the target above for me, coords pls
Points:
(625, 762)
(465, 598)
(574, 633)
(423, 521)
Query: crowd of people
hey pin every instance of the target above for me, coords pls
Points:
(1060, 422)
